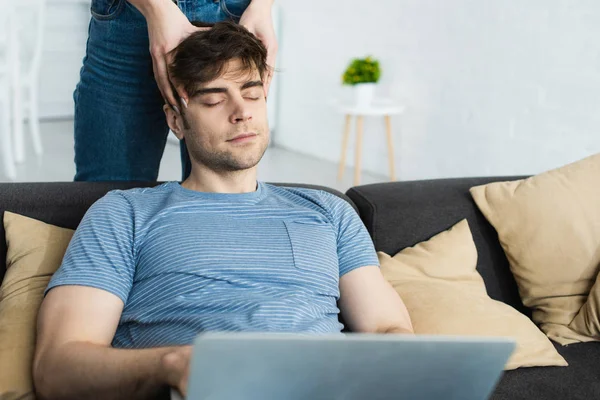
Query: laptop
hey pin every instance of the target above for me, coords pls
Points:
(257, 366)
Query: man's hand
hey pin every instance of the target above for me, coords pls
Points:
(257, 19)
(167, 27)
(176, 367)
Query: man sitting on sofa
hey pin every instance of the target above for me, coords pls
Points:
(149, 269)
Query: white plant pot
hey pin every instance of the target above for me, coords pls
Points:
(363, 94)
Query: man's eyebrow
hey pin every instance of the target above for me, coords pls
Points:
(200, 92)
(246, 85)
(251, 84)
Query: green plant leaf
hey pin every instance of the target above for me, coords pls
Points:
(362, 70)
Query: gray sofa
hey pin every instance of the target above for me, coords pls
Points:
(397, 215)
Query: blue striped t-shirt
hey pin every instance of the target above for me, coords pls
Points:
(184, 262)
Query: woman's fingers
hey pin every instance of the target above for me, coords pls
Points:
(161, 75)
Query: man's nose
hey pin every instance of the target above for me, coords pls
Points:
(241, 113)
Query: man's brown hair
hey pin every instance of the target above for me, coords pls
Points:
(202, 56)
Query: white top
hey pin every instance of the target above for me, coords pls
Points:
(379, 107)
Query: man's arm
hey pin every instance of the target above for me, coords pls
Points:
(370, 304)
(74, 358)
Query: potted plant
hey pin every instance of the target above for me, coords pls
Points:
(362, 74)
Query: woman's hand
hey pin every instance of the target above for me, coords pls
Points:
(258, 20)
(167, 27)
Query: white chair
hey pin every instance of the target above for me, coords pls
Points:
(29, 17)
(7, 67)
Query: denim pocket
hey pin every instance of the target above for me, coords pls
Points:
(105, 10)
(234, 8)
(314, 248)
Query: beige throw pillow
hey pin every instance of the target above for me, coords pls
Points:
(445, 295)
(35, 251)
(588, 318)
(549, 228)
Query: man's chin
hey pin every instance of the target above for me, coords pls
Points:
(237, 165)
(230, 161)
(244, 166)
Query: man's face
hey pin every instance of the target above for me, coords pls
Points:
(227, 128)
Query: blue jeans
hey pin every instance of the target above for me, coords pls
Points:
(120, 126)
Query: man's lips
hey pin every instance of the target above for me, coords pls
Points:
(242, 137)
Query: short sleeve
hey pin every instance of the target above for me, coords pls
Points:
(101, 253)
(354, 245)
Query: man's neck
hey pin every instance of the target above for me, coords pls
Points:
(205, 180)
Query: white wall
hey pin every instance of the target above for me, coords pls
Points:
(65, 35)
(491, 87)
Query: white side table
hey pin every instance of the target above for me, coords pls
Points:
(385, 110)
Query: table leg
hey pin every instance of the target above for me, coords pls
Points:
(390, 143)
(359, 136)
(344, 146)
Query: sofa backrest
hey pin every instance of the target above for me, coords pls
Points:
(402, 214)
(65, 203)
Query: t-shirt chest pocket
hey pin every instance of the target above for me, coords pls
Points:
(314, 248)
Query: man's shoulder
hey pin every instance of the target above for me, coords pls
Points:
(312, 197)
(144, 192)
(306, 192)
(131, 200)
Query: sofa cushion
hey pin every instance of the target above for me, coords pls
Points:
(64, 203)
(549, 227)
(445, 295)
(588, 318)
(579, 381)
(402, 214)
(35, 251)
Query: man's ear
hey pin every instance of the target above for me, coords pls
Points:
(174, 121)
